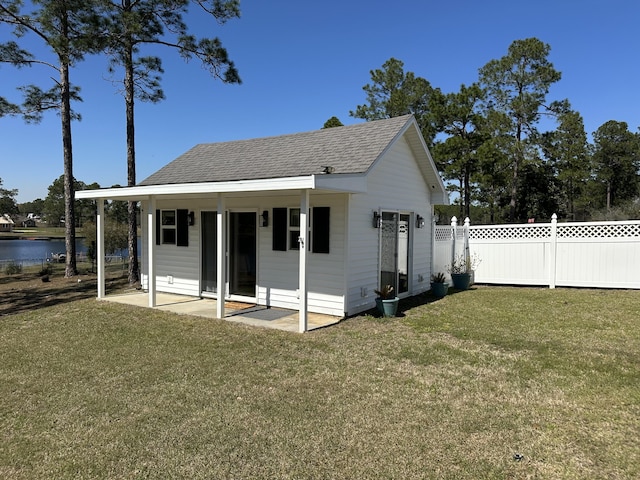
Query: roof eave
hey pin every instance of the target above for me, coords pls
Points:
(139, 192)
(439, 194)
(440, 198)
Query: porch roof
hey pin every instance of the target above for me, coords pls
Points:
(345, 183)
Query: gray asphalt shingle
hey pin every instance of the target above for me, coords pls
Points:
(350, 149)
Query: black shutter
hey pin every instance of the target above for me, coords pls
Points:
(182, 227)
(320, 230)
(158, 232)
(279, 229)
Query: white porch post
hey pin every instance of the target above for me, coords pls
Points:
(99, 253)
(454, 234)
(433, 240)
(467, 252)
(151, 244)
(304, 245)
(221, 256)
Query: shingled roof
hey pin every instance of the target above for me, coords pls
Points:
(349, 150)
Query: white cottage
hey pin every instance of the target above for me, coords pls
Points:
(6, 224)
(312, 221)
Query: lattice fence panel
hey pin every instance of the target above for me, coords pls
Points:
(604, 230)
(510, 232)
(443, 234)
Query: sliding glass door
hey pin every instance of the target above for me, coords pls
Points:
(241, 254)
(209, 255)
(395, 252)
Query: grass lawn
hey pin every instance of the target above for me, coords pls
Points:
(488, 383)
(40, 231)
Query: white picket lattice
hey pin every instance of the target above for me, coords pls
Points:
(510, 232)
(599, 230)
(589, 254)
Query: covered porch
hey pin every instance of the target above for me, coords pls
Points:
(221, 200)
(237, 312)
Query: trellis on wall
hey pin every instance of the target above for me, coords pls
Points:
(587, 254)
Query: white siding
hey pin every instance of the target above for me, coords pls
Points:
(277, 272)
(177, 268)
(394, 184)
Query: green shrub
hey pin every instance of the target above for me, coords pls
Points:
(46, 270)
(13, 268)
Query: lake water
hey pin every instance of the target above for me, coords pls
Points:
(35, 251)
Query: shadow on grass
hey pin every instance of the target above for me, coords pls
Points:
(26, 292)
(415, 301)
(23, 293)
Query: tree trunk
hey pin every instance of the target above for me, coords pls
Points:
(461, 197)
(514, 193)
(134, 268)
(492, 206)
(467, 192)
(69, 194)
(572, 215)
(514, 179)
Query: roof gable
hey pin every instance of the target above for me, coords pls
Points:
(349, 150)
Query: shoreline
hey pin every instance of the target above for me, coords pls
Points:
(36, 237)
(45, 234)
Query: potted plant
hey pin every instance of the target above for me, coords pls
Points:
(387, 302)
(461, 270)
(439, 284)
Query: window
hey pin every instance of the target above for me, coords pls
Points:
(286, 229)
(168, 231)
(172, 227)
(294, 228)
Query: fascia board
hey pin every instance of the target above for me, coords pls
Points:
(144, 191)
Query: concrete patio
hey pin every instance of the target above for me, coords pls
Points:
(248, 314)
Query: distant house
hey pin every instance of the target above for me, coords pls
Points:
(6, 224)
(312, 221)
(29, 222)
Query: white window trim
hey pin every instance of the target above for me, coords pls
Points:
(164, 227)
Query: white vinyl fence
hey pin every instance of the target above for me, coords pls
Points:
(575, 254)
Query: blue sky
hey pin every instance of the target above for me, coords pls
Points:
(304, 62)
